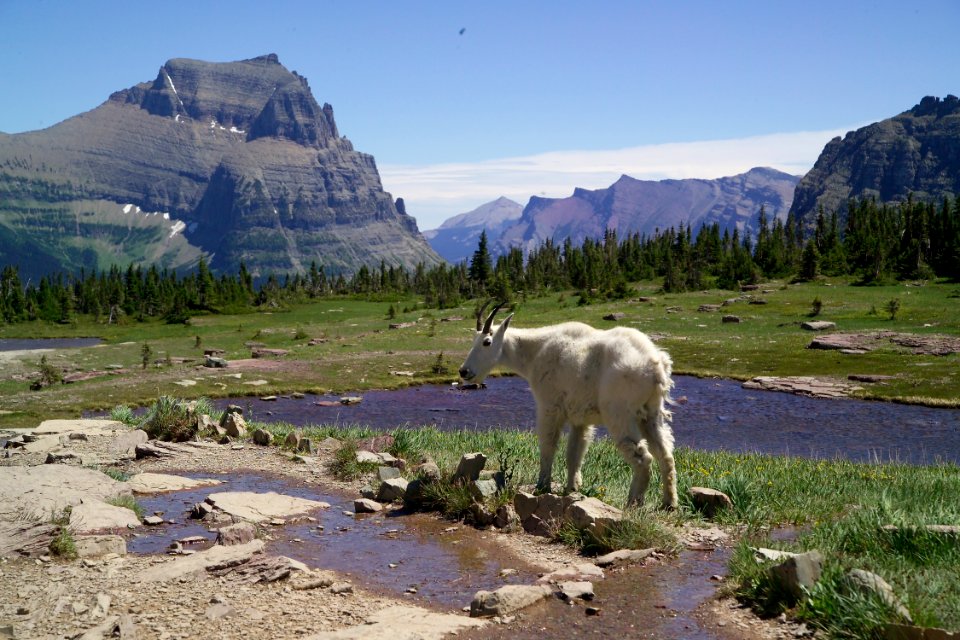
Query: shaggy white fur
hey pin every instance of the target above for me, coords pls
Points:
(584, 376)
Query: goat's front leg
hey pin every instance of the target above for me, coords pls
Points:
(548, 433)
(577, 444)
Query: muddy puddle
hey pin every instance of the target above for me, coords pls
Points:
(425, 559)
(711, 414)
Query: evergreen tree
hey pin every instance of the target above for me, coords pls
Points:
(481, 266)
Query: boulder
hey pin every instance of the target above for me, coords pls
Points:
(305, 446)
(798, 574)
(622, 556)
(536, 526)
(731, 319)
(262, 437)
(575, 589)
(366, 505)
(506, 517)
(615, 316)
(871, 584)
(149, 483)
(525, 503)
(387, 473)
(94, 546)
(261, 507)
(817, 325)
(469, 467)
(483, 489)
(214, 362)
(126, 443)
(215, 557)
(43, 490)
(573, 572)
(392, 490)
(234, 425)
(507, 599)
(94, 515)
(593, 514)
(292, 441)
(402, 622)
(239, 533)
(709, 502)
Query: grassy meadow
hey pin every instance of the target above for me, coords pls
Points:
(837, 507)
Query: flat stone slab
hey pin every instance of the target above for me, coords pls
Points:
(90, 426)
(804, 385)
(94, 515)
(925, 344)
(403, 623)
(261, 507)
(44, 489)
(147, 483)
(202, 561)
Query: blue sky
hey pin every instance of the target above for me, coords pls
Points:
(532, 98)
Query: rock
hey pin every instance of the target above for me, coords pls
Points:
(62, 457)
(403, 623)
(573, 572)
(871, 584)
(153, 521)
(593, 514)
(42, 490)
(622, 556)
(149, 483)
(483, 489)
(235, 534)
(709, 502)
(730, 319)
(26, 537)
(201, 510)
(376, 444)
(94, 515)
(392, 490)
(428, 471)
(102, 606)
(536, 526)
(305, 446)
(218, 610)
(765, 555)
(261, 507)
(234, 425)
(214, 362)
(574, 590)
(314, 579)
(366, 505)
(94, 546)
(341, 587)
(292, 441)
(469, 467)
(818, 325)
(909, 632)
(259, 569)
(615, 316)
(387, 473)
(126, 443)
(798, 574)
(708, 308)
(507, 599)
(329, 444)
(506, 517)
(803, 385)
(217, 556)
(480, 515)
(158, 449)
(368, 457)
(525, 504)
(262, 437)
(262, 352)
(348, 400)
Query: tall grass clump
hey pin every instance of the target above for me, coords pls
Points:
(123, 413)
(175, 420)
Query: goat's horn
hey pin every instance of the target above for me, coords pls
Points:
(489, 322)
(480, 313)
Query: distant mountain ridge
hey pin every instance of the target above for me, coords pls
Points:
(237, 160)
(457, 237)
(627, 206)
(916, 152)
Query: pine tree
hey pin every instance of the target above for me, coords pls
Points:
(481, 266)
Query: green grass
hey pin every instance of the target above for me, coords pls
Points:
(128, 502)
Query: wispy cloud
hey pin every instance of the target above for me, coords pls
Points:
(436, 192)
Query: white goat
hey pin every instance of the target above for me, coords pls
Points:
(584, 376)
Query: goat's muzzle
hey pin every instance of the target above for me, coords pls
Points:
(465, 373)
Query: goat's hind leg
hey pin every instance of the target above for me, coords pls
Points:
(577, 444)
(659, 437)
(636, 454)
(548, 434)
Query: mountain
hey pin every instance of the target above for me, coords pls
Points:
(916, 152)
(456, 239)
(630, 205)
(236, 161)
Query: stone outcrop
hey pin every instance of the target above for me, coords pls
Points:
(234, 160)
(262, 507)
(913, 153)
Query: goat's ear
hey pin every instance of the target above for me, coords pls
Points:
(505, 324)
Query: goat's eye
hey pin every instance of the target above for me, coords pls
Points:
(487, 341)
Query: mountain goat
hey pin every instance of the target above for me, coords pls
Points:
(585, 376)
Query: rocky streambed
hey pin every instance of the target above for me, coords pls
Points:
(315, 569)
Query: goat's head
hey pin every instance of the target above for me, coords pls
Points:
(486, 346)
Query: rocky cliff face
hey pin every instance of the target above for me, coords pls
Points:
(916, 152)
(631, 205)
(237, 160)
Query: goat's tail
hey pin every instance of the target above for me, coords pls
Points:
(664, 376)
